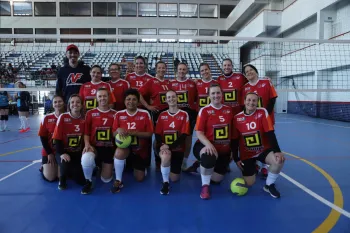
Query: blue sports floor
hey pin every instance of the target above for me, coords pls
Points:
(315, 182)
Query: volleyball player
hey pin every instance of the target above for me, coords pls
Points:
(118, 85)
(203, 100)
(4, 110)
(187, 95)
(72, 75)
(255, 137)
(68, 135)
(155, 90)
(213, 147)
(46, 130)
(267, 97)
(171, 131)
(23, 101)
(138, 78)
(98, 140)
(136, 123)
(88, 90)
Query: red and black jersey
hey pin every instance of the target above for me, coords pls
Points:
(136, 81)
(155, 90)
(231, 87)
(250, 130)
(118, 89)
(186, 92)
(216, 124)
(265, 90)
(98, 125)
(88, 94)
(203, 92)
(70, 131)
(171, 126)
(47, 127)
(139, 121)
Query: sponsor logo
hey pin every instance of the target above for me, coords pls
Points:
(73, 78)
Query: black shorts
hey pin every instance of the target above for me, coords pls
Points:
(5, 107)
(138, 163)
(222, 161)
(105, 154)
(23, 109)
(249, 164)
(45, 159)
(176, 160)
(192, 114)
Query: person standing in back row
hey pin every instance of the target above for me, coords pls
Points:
(72, 75)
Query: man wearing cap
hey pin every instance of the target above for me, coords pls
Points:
(72, 75)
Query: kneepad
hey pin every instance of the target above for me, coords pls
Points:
(208, 161)
(88, 159)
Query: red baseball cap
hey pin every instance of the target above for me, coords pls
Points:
(72, 46)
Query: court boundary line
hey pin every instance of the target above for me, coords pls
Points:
(19, 170)
(17, 151)
(338, 201)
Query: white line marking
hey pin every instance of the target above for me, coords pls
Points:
(19, 170)
(316, 196)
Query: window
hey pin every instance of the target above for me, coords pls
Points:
(104, 31)
(45, 31)
(188, 32)
(167, 10)
(165, 31)
(22, 9)
(188, 10)
(45, 8)
(75, 9)
(5, 31)
(208, 32)
(208, 11)
(127, 31)
(75, 31)
(148, 32)
(127, 9)
(147, 9)
(24, 31)
(105, 9)
(225, 11)
(5, 9)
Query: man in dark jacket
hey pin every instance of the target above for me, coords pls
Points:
(72, 75)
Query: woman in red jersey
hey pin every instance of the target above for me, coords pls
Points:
(136, 123)
(254, 135)
(138, 78)
(46, 130)
(69, 142)
(171, 131)
(118, 85)
(99, 141)
(88, 90)
(267, 97)
(213, 147)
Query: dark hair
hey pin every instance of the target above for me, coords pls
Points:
(142, 58)
(250, 93)
(113, 64)
(251, 66)
(204, 64)
(68, 105)
(103, 89)
(212, 85)
(160, 62)
(132, 91)
(57, 96)
(182, 63)
(227, 59)
(96, 66)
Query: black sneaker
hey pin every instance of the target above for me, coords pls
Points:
(165, 188)
(87, 189)
(62, 183)
(117, 186)
(272, 190)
